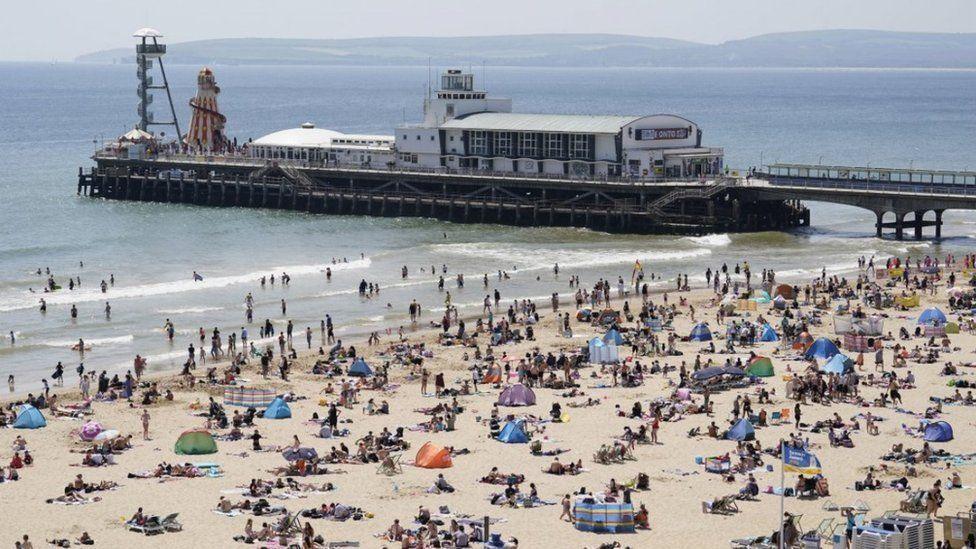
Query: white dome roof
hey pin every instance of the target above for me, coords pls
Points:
(305, 136)
(147, 32)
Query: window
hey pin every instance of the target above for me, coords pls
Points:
(450, 110)
(579, 145)
(503, 143)
(479, 143)
(527, 147)
(553, 145)
(432, 138)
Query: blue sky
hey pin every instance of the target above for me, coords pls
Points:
(62, 29)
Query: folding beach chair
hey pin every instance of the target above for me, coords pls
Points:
(775, 418)
(169, 523)
(826, 528)
(784, 415)
(390, 466)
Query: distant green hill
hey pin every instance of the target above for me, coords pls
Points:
(828, 48)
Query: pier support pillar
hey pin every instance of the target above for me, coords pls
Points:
(938, 224)
(878, 224)
(919, 216)
(899, 226)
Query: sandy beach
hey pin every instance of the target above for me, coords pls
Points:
(678, 485)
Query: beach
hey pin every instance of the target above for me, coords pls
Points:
(677, 484)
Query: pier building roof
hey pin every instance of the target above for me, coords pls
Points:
(305, 136)
(556, 123)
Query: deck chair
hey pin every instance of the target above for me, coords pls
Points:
(292, 525)
(826, 528)
(861, 506)
(775, 418)
(153, 526)
(784, 415)
(390, 466)
(830, 505)
(169, 523)
(915, 502)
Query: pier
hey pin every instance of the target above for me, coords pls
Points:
(618, 205)
(905, 200)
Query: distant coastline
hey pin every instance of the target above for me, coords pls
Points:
(853, 49)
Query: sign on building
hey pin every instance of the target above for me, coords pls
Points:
(662, 133)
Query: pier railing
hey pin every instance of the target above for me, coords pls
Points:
(245, 161)
(874, 187)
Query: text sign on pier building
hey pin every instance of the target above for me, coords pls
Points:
(662, 133)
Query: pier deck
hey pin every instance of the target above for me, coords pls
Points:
(611, 205)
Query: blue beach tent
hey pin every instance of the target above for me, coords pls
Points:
(29, 417)
(742, 430)
(768, 333)
(932, 316)
(938, 431)
(278, 409)
(513, 433)
(360, 368)
(613, 337)
(822, 348)
(838, 364)
(700, 333)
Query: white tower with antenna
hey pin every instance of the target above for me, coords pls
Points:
(149, 52)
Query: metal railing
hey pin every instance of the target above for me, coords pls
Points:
(235, 160)
(873, 187)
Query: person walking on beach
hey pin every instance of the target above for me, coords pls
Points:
(796, 414)
(85, 387)
(333, 417)
(567, 509)
(145, 424)
(424, 376)
(308, 336)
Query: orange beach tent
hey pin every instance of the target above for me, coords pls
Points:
(431, 456)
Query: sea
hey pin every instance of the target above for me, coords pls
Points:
(55, 115)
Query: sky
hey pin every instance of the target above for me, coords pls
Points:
(63, 29)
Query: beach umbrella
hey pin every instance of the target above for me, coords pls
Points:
(292, 454)
(107, 434)
(707, 373)
(90, 430)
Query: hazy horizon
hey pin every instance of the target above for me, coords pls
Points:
(62, 29)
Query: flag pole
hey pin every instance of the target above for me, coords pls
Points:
(782, 489)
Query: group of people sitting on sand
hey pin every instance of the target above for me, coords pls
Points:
(75, 492)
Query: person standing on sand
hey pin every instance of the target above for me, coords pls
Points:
(567, 509)
(145, 424)
(333, 417)
(424, 376)
(796, 414)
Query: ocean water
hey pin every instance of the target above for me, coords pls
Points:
(54, 115)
